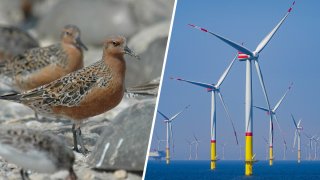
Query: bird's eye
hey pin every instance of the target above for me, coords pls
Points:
(68, 33)
(115, 43)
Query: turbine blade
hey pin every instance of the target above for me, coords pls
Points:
(261, 108)
(307, 135)
(173, 146)
(294, 121)
(176, 115)
(264, 91)
(265, 140)
(280, 101)
(225, 73)
(164, 116)
(266, 40)
(282, 133)
(231, 43)
(195, 138)
(299, 123)
(262, 84)
(205, 85)
(228, 116)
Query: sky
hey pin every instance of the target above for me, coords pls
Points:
(291, 56)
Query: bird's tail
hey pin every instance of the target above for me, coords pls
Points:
(11, 97)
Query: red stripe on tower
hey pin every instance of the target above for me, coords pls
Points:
(213, 141)
(248, 133)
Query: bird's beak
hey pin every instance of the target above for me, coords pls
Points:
(80, 44)
(130, 52)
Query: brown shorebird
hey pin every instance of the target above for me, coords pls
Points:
(35, 150)
(14, 41)
(39, 66)
(84, 93)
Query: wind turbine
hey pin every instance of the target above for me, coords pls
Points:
(159, 141)
(215, 90)
(315, 147)
(168, 121)
(274, 116)
(190, 146)
(310, 144)
(297, 134)
(284, 150)
(249, 56)
(267, 145)
(223, 148)
(197, 144)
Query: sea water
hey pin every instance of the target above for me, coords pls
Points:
(286, 170)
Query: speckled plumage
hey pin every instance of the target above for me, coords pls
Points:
(29, 149)
(39, 66)
(69, 90)
(14, 41)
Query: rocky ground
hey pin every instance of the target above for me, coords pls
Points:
(146, 24)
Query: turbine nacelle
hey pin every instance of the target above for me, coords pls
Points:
(270, 112)
(213, 88)
(243, 56)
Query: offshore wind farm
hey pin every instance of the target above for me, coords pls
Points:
(263, 134)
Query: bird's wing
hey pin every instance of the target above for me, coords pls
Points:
(35, 59)
(69, 89)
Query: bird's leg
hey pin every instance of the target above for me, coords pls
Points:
(72, 175)
(83, 149)
(77, 139)
(36, 116)
(24, 175)
(75, 143)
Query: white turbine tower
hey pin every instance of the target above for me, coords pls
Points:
(223, 150)
(197, 146)
(168, 121)
(267, 147)
(274, 116)
(247, 55)
(159, 141)
(214, 89)
(316, 140)
(297, 135)
(310, 138)
(285, 148)
(190, 148)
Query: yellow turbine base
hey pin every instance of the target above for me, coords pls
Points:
(299, 156)
(213, 155)
(270, 156)
(167, 156)
(249, 154)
